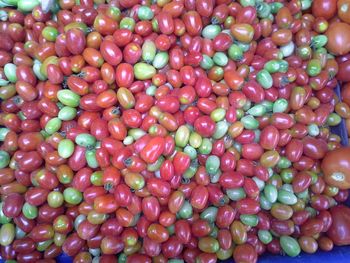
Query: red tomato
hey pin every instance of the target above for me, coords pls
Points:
(340, 228)
(245, 253)
(153, 150)
(335, 167)
(124, 75)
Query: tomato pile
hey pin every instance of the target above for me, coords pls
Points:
(172, 131)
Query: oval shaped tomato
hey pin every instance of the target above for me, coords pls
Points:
(153, 150)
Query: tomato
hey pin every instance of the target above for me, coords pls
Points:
(343, 73)
(338, 34)
(111, 178)
(340, 227)
(158, 187)
(153, 150)
(157, 233)
(75, 41)
(151, 208)
(335, 168)
(233, 79)
(105, 25)
(269, 137)
(245, 253)
(199, 197)
(343, 6)
(124, 75)
(314, 148)
(111, 52)
(252, 151)
(324, 8)
(193, 23)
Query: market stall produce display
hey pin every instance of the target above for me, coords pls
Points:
(173, 131)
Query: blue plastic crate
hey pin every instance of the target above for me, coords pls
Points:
(337, 255)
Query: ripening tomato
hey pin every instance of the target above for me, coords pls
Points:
(157, 233)
(105, 204)
(132, 53)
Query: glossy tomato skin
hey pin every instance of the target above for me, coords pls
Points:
(335, 167)
(340, 226)
(338, 44)
(154, 148)
(245, 253)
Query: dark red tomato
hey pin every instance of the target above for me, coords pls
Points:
(172, 247)
(245, 253)
(326, 218)
(111, 227)
(248, 206)
(151, 208)
(252, 151)
(225, 216)
(12, 205)
(269, 137)
(205, 126)
(324, 8)
(73, 244)
(138, 258)
(122, 195)
(111, 52)
(311, 227)
(301, 182)
(231, 180)
(183, 231)
(199, 197)
(314, 148)
(81, 180)
(36, 196)
(246, 167)
(75, 41)
(151, 247)
(124, 75)
(193, 23)
(294, 150)
(165, 23)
